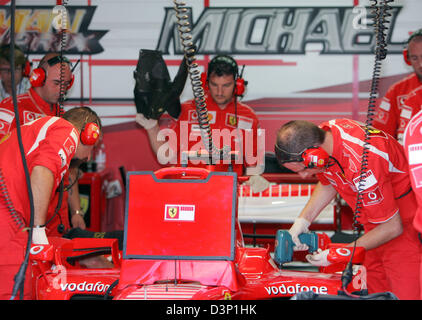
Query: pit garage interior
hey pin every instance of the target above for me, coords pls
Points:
(301, 60)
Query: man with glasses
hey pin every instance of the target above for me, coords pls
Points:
(22, 68)
(333, 152)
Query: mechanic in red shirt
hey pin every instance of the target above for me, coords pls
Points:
(412, 143)
(233, 124)
(392, 114)
(333, 152)
(50, 144)
(47, 80)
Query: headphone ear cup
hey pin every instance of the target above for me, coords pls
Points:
(315, 157)
(90, 134)
(204, 80)
(240, 87)
(37, 77)
(406, 57)
(26, 71)
(71, 82)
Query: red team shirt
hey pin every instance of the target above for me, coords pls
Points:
(413, 149)
(392, 114)
(52, 144)
(31, 107)
(386, 192)
(223, 124)
(386, 176)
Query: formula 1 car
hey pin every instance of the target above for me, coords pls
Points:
(183, 240)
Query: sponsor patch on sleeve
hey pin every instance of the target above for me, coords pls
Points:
(372, 197)
(417, 176)
(415, 153)
(368, 180)
(385, 105)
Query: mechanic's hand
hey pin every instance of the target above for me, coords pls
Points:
(319, 258)
(78, 221)
(144, 122)
(300, 226)
(39, 236)
(257, 183)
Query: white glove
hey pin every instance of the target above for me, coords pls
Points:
(300, 226)
(319, 258)
(144, 122)
(257, 183)
(39, 236)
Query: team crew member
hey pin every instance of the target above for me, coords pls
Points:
(50, 144)
(228, 118)
(22, 70)
(392, 114)
(47, 83)
(333, 152)
(412, 146)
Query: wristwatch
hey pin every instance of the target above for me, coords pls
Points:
(80, 212)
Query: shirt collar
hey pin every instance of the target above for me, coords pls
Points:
(40, 102)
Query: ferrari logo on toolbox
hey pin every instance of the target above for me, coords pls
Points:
(179, 212)
(173, 211)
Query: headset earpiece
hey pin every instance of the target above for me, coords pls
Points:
(71, 82)
(37, 77)
(240, 87)
(204, 80)
(90, 133)
(26, 69)
(406, 57)
(315, 157)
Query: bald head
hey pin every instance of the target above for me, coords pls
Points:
(296, 136)
(58, 77)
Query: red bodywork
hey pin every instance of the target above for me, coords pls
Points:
(154, 269)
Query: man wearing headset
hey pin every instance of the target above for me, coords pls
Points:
(49, 81)
(333, 152)
(226, 115)
(393, 114)
(22, 69)
(51, 144)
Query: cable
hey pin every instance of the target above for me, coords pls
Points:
(63, 40)
(20, 276)
(381, 12)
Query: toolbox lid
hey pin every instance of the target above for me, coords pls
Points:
(189, 218)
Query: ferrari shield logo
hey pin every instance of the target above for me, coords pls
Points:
(232, 120)
(179, 212)
(173, 211)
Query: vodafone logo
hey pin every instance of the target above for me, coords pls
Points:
(293, 289)
(84, 287)
(343, 252)
(36, 249)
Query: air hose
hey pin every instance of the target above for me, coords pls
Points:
(189, 49)
(20, 276)
(381, 12)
